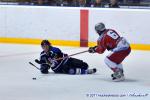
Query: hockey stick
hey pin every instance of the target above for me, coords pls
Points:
(34, 65)
(78, 53)
(71, 55)
(47, 62)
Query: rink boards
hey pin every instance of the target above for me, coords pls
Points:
(72, 26)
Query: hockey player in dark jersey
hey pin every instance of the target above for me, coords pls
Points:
(54, 58)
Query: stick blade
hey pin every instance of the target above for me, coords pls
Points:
(31, 63)
(34, 65)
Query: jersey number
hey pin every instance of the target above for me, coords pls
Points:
(112, 34)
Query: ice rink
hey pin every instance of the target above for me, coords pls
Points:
(16, 77)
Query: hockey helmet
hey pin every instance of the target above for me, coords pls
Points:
(99, 27)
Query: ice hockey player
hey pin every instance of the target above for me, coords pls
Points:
(54, 58)
(109, 39)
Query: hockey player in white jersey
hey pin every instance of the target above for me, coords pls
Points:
(109, 39)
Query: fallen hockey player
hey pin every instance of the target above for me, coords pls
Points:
(54, 58)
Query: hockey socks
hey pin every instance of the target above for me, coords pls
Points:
(82, 71)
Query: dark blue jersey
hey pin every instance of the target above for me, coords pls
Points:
(51, 55)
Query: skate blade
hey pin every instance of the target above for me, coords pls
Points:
(119, 79)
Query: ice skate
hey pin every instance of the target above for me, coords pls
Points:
(91, 71)
(118, 76)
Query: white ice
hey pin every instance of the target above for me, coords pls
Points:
(16, 77)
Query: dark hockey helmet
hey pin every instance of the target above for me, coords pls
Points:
(99, 28)
(45, 42)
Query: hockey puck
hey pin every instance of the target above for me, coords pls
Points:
(34, 78)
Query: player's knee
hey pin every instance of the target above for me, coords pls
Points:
(85, 65)
(44, 68)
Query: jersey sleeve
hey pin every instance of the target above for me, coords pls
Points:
(101, 45)
(43, 57)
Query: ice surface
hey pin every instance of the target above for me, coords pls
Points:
(16, 77)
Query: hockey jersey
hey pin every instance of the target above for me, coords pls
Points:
(54, 53)
(111, 40)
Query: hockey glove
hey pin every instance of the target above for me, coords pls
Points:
(37, 61)
(92, 49)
